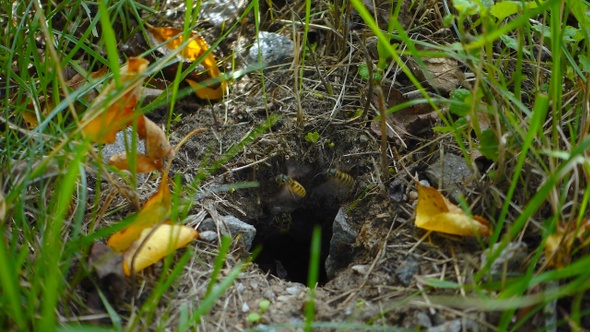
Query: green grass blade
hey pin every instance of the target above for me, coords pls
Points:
(11, 296)
(313, 276)
(219, 261)
(50, 272)
(110, 41)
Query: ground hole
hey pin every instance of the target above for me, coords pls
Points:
(285, 249)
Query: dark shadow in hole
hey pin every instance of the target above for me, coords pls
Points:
(286, 250)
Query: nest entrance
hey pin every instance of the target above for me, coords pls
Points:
(285, 246)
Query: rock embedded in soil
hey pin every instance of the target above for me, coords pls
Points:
(273, 48)
(341, 244)
(451, 173)
(220, 12)
(236, 226)
(510, 261)
(406, 271)
(118, 147)
(208, 236)
(232, 227)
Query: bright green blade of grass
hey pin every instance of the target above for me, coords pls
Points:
(11, 295)
(313, 276)
(110, 41)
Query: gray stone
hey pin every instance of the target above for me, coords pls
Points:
(450, 326)
(510, 261)
(207, 225)
(118, 147)
(451, 173)
(422, 319)
(208, 236)
(406, 270)
(361, 269)
(236, 226)
(341, 244)
(294, 290)
(222, 12)
(273, 48)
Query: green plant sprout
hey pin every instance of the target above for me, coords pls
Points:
(312, 137)
(256, 317)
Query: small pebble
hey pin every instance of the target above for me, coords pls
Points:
(406, 270)
(423, 319)
(240, 287)
(208, 236)
(294, 290)
(284, 298)
(361, 269)
(269, 295)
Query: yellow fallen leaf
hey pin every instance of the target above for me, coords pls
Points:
(558, 246)
(194, 49)
(435, 213)
(153, 245)
(105, 117)
(155, 210)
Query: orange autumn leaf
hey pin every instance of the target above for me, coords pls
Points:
(155, 210)
(435, 213)
(558, 246)
(205, 92)
(157, 146)
(194, 49)
(143, 163)
(155, 244)
(106, 116)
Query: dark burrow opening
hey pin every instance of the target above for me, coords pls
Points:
(288, 207)
(285, 244)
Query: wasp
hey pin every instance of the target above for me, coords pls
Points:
(295, 188)
(340, 177)
(282, 222)
(338, 185)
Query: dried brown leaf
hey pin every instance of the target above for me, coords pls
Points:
(441, 73)
(407, 121)
(142, 162)
(157, 147)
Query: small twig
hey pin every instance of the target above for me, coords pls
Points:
(371, 81)
(383, 125)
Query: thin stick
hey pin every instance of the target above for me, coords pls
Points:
(383, 123)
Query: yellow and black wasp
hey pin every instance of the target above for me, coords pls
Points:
(341, 178)
(295, 188)
(338, 184)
